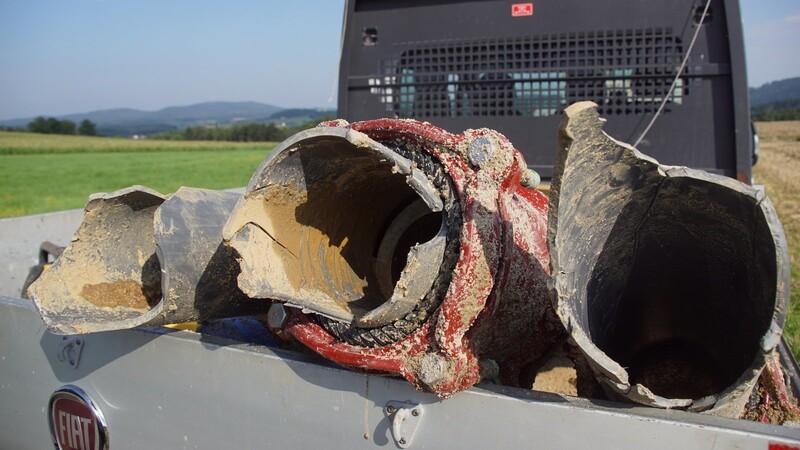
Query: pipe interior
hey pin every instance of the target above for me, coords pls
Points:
(329, 207)
(688, 303)
(110, 271)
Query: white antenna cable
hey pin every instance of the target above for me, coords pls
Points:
(677, 75)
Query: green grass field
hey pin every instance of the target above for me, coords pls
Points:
(41, 173)
(40, 144)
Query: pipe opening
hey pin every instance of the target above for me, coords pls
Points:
(423, 229)
(353, 231)
(412, 224)
(684, 307)
(109, 272)
(116, 274)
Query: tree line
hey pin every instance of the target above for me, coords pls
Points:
(780, 110)
(249, 132)
(769, 115)
(51, 125)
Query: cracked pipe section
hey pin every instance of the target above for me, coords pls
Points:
(338, 224)
(140, 258)
(672, 281)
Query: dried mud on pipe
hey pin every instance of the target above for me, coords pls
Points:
(126, 294)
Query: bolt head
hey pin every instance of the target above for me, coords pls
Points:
(432, 369)
(531, 179)
(277, 315)
(415, 412)
(403, 441)
(391, 409)
(480, 151)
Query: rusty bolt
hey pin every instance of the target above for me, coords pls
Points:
(531, 179)
(480, 151)
(276, 316)
(431, 369)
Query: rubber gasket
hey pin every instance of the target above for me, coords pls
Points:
(451, 215)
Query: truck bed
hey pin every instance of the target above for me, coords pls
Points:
(162, 388)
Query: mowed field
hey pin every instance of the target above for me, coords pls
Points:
(778, 169)
(41, 173)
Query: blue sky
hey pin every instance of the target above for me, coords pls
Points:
(71, 56)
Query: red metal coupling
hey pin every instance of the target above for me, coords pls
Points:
(400, 248)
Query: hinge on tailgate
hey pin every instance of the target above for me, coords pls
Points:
(70, 350)
(405, 418)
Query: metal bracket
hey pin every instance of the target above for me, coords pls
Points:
(70, 350)
(405, 418)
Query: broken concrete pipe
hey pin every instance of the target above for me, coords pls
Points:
(400, 248)
(139, 258)
(672, 281)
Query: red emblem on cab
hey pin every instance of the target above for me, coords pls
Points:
(75, 421)
(521, 9)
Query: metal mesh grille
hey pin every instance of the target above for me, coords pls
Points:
(623, 71)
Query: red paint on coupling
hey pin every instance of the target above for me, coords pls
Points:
(497, 296)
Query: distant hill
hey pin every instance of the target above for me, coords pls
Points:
(778, 100)
(126, 122)
(296, 116)
(780, 91)
(218, 112)
(294, 113)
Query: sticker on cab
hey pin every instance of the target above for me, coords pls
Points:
(521, 9)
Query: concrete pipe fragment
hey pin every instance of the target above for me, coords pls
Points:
(139, 258)
(396, 247)
(672, 281)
